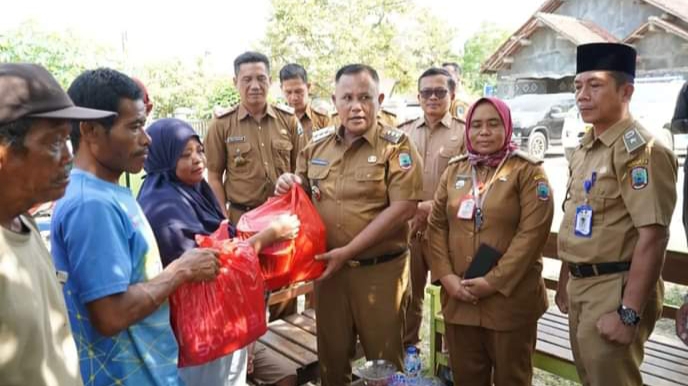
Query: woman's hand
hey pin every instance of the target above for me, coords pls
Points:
(479, 287)
(286, 226)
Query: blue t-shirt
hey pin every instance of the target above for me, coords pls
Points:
(101, 238)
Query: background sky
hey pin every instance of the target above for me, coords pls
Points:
(220, 30)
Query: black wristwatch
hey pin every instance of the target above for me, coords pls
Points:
(628, 316)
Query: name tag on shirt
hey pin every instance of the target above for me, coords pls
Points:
(583, 225)
(466, 208)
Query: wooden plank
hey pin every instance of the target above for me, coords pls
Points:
(562, 368)
(294, 334)
(293, 351)
(302, 322)
(309, 313)
(290, 292)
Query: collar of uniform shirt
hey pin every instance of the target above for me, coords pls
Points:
(369, 135)
(610, 135)
(243, 113)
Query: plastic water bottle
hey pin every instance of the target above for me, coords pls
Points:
(412, 365)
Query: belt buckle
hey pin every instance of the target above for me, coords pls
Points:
(353, 263)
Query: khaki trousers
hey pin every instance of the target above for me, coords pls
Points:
(368, 302)
(483, 357)
(418, 279)
(599, 362)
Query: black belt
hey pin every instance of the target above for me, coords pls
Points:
(241, 207)
(587, 270)
(375, 260)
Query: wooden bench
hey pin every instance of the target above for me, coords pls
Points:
(294, 336)
(665, 363)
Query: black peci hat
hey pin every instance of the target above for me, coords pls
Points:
(606, 57)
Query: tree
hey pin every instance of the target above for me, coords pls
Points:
(477, 49)
(394, 36)
(65, 55)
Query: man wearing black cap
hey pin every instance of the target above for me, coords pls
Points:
(36, 344)
(612, 240)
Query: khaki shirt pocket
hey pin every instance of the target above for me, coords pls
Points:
(317, 175)
(608, 209)
(370, 183)
(239, 157)
(281, 151)
(445, 154)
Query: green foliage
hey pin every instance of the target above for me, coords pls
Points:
(65, 54)
(477, 49)
(394, 36)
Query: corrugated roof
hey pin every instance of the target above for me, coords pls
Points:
(575, 30)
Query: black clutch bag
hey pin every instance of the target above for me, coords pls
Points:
(485, 258)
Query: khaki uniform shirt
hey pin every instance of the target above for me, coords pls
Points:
(314, 119)
(350, 186)
(517, 215)
(436, 147)
(384, 116)
(36, 343)
(252, 155)
(459, 108)
(635, 187)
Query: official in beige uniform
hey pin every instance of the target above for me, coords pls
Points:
(438, 137)
(295, 89)
(365, 180)
(496, 196)
(459, 106)
(249, 145)
(620, 198)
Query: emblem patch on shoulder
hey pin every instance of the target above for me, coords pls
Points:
(405, 161)
(639, 177)
(542, 190)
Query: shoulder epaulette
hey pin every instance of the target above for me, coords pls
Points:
(406, 122)
(220, 112)
(321, 134)
(463, 122)
(388, 111)
(633, 140)
(457, 158)
(285, 108)
(392, 135)
(522, 154)
(320, 111)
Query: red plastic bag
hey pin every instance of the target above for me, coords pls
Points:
(213, 319)
(291, 261)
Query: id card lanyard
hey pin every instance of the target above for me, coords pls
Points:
(480, 198)
(583, 220)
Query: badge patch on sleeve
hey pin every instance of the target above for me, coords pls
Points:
(405, 161)
(639, 178)
(542, 190)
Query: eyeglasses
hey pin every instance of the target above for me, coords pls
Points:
(427, 93)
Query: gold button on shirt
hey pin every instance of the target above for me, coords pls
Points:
(252, 155)
(635, 186)
(351, 185)
(436, 147)
(518, 212)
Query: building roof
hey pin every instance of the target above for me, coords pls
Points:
(655, 22)
(678, 8)
(574, 30)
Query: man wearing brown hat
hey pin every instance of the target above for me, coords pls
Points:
(36, 343)
(612, 241)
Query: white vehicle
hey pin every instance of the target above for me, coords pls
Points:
(652, 105)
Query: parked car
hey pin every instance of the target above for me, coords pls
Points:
(538, 120)
(652, 105)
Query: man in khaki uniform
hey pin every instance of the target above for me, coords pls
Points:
(438, 136)
(249, 145)
(295, 88)
(365, 180)
(460, 104)
(612, 241)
